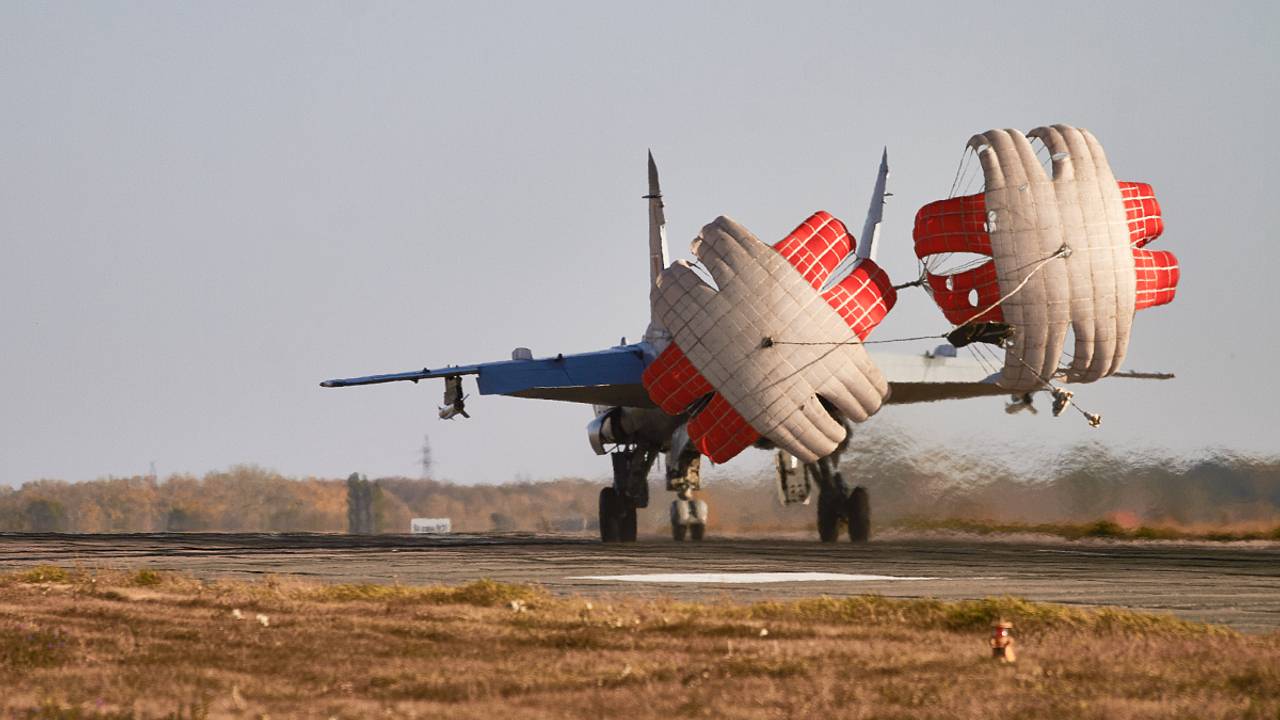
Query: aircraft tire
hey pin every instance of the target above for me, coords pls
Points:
(610, 516)
(858, 507)
(696, 532)
(626, 522)
(828, 517)
(679, 519)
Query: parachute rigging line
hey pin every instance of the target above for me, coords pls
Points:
(1063, 251)
(980, 353)
(1061, 397)
(964, 157)
(914, 283)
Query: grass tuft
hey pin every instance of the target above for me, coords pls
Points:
(1104, 528)
(481, 593)
(976, 615)
(44, 574)
(1077, 531)
(146, 578)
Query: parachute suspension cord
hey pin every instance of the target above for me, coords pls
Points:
(1062, 252)
(914, 283)
(960, 170)
(989, 363)
(1061, 398)
(858, 341)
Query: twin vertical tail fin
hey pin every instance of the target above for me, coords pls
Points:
(657, 225)
(870, 236)
(875, 211)
(656, 334)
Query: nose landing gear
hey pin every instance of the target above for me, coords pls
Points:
(684, 478)
(688, 515)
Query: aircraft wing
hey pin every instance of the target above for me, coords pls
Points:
(932, 377)
(604, 377)
(612, 377)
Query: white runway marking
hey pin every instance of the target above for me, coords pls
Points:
(1075, 552)
(746, 578)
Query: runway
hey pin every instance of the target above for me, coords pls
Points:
(1237, 584)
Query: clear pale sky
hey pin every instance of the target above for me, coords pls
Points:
(207, 208)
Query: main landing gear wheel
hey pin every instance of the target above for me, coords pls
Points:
(617, 517)
(858, 511)
(829, 511)
(855, 510)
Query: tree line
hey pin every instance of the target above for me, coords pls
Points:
(907, 479)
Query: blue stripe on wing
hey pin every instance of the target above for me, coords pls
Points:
(621, 365)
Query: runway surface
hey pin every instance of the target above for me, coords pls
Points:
(1233, 583)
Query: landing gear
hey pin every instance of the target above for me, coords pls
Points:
(836, 505)
(630, 491)
(684, 463)
(688, 515)
(858, 513)
(617, 517)
(829, 512)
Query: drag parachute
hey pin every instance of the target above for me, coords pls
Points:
(1066, 255)
(752, 356)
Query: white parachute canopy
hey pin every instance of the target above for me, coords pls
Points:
(729, 335)
(1062, 252)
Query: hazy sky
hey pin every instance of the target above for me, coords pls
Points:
(206, 209)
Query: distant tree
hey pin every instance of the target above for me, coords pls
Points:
(182, 519)
(46, 516)
(356, 505)
(286, 519)
(426, 457)
(364, 501)
(502, 522)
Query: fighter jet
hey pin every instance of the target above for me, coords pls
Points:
(634, 432)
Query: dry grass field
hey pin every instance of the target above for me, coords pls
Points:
(75, 644)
